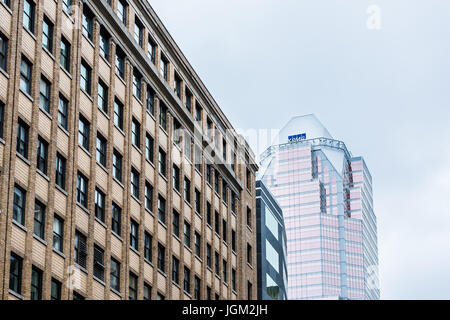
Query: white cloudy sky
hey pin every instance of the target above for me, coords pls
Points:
(385, 93)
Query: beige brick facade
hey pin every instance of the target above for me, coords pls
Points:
(16, 170)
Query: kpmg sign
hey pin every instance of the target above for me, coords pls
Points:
(297, 137)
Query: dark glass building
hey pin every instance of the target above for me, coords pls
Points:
(271, 241)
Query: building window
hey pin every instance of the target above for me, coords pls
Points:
(36, 284)
(63, 107)
(197, 288)
(58, 233)
(163, 116)
(217, 263)
(25, 75)
(187, 190)
(134, 183)
(150, 100)
(161, 258)
(188, 100)
(224, 230)
(134, 235)
(233, 202)
(15, 273)
(249, 217)
(249, 254)
(137, 85)
(102, 101)
(101, 150)
(163, 68)
(177, 131)
(147, 292)
(60, 171)
(216, 181)
(197, 201)
(208, 213)
(47, 34)
(175, 270)
(187, 147)
(82, 190)
(138, 32)
(162, 162)
(3, 51)
(176, 178)
(149, 147)
(233, 240)
(2, 118)
(39, 219)
(216, 222)
(176, 223)
(29, 9)
(148, 239)
(208, 293)
(115, 275)
(151, 50)
(100, 205)
(249, 290)
(224, 150)
(248, 180)
(162, 209)
(85, 77)
(148, 196)
(65, 54)
(116, 224)
(187, 234)
(118, 114)
(122, 8)
(104, 44)
(233, 280)
(42, 155)
(187, 280)
(99, 266)
(87, 25)
(83, 133)
(136, 133)
(117, 165)
(77, 296)
(224, 271)
(177, 86)
(198, 112)
(19, 205)
(159, 296)
(66, 5)
(197, 244)
(208, 256)
(132, 294)
(80, 252)
(198, 158)
(208, 174)
(55, 290)
(120, 63)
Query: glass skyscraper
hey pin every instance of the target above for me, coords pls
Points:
(326, 197)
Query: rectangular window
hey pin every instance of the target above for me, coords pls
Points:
(208, 213)
(148, 239)
(163, 68)
(2, 118)
(187, 147)
(150, 100)
(133, 287)
(117, 165)
(134, 183)
(159, 296)
(224, 230)
(148, 196)
(216, 181)
(120, 63)
(87, 25)
(101, 150)
(163, 116)
(26, 69)
(36, 284)
(188, 100)
(177, 132)
(175, 270)
(60, 171)
(15, 273)
(65, 54)
(208, 293)
(187, 280)
(138, 32)
(248, 180)
(58, 233)
(197, 201)
(136, 133)
(147, 292)
(85, 77)
(197, 244)
(249, 290)
(55, 290)
(197, 288)
(249, 217)
(118, 114)
(249, 253)
(122, 8)
(233, 240)
(224, 150)
(77, 296)
(224, 271)
(3, 51)
(102, 101)
(115, 275)
(187, 190)
(104, 44)
(162, 162)
(47, 34)
(176, 178)
(42, 155)
(99, 263)
(177, 86)
(208, 174)
(66, 5)
(216, 222)
(208, 256)
(39, 219)
(134, 235)
(19, 205)
(63, 108)
(82, 190)
(187, 234)
(116, 224)
(149, 148)
(29, 9)
(137, 85)
(233, 202)
(198, 113)
(217, 263)
(151, 50)
(83, 132)
(176, 223)
(80, 252)
(161, 258)
(233, 280)
(198, 158)
(100, 209)
(162, 209)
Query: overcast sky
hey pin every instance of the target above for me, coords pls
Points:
(385, 93)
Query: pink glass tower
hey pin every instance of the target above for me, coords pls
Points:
(326, 197)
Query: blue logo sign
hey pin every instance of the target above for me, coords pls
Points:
(297, 137)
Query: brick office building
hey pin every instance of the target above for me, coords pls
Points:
(120, 177)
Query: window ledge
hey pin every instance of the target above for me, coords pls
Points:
(46, 113)
(6, 74)
(116, 292)
(30, 33)
(20, 226)
(101, 223)
(15, 294)
(64, 130)
(162, 273)
(61, 190)
(40, 239)
(83, 208)
(118, 182)
(104, 113)
(85, 150)
(26, 94)
(67, 72)
(62, 255)
(21, 157)
(49, 53)
(43, 175)
(135, 251)
(99, 281)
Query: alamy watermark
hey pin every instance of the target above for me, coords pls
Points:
(373, 17)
